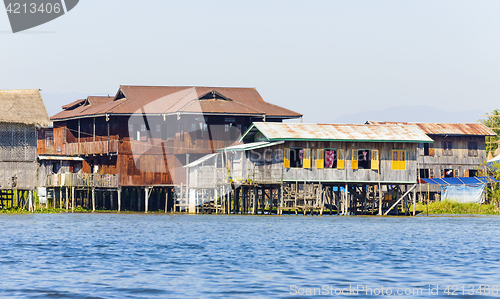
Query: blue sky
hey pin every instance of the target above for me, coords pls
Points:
(325, 59)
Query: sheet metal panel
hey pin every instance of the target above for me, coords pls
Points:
(373, 133)
(445, 128)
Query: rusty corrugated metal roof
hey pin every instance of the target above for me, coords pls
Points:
(477, 129)
(173, 99)
(337, 132)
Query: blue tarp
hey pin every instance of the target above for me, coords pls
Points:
(475, 181)
(463, 193)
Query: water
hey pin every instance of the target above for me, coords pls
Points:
(182, 256)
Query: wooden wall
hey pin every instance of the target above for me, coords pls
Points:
(460, 159)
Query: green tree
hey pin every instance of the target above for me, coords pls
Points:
(492, 121)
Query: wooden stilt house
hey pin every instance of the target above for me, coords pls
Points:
(353, 168)
(144, 135)
(23, 114)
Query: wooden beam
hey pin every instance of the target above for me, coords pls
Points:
(399, 200)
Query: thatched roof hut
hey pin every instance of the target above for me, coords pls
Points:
(23, 106)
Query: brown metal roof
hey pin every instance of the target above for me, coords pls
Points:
(337, 132)
(477, 129)
(173, 99)
(74, 104)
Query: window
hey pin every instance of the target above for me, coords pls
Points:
(424, 174)
(340, 159)
(448, 173)
(143, 128)
(354, 159)
(229, 119)
(158, 128)
(447, 147)
(49, 139)
(472, 149)
(364, 159)
(399, 160)
(227, 127)
(296, 157)
(330, 158)
(473, 173)
(428, 149)
(193, 127)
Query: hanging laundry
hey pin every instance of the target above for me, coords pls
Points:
(365, 154)
(329, 159)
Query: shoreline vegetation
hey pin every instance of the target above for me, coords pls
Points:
(450, 207)
(447, 207)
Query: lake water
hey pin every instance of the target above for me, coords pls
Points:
(183, 256)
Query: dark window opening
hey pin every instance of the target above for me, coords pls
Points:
(428, 149)
(364, 159)
(330, 158)
(296, 157)
(424, 174)
(449, 173)
(473, 173)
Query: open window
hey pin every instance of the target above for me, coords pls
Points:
(428, 149)
(472, 173)
(331, 158)
(424, 174)
(399, 160)
(364, 159)
(296, 157)
(448, 173)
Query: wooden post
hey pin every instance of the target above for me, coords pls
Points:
(379, 194)
(166, 200)
(146, 199)
(93, 199)
(60, 198)
(111, 200)
(119, 194)
(254, 208)
(67, 199)
(30, 202)
(72, 199)
(414, 200)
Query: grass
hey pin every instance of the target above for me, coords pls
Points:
(456, 208)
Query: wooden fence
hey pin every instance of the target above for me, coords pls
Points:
(82, 180)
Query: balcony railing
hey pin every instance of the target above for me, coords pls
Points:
(92, 148)
(82, 180)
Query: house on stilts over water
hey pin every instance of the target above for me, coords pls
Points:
(23, 115)
(457, 154)
(283, 167)
(127, 152)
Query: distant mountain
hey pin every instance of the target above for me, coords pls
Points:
(413, 114)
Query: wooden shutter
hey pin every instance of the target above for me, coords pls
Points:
(307, 158)
(375, 160)
(398, 160)
(354, 159)
(320, 159)
(340, 159)
(286, 160)
(431, 149)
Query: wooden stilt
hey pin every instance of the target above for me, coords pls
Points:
(146, 199)
(72, 199)
(93, 199)
(119, 195)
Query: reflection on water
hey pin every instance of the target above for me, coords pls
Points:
(146, 256)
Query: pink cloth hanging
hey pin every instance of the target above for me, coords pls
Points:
(329, 158)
